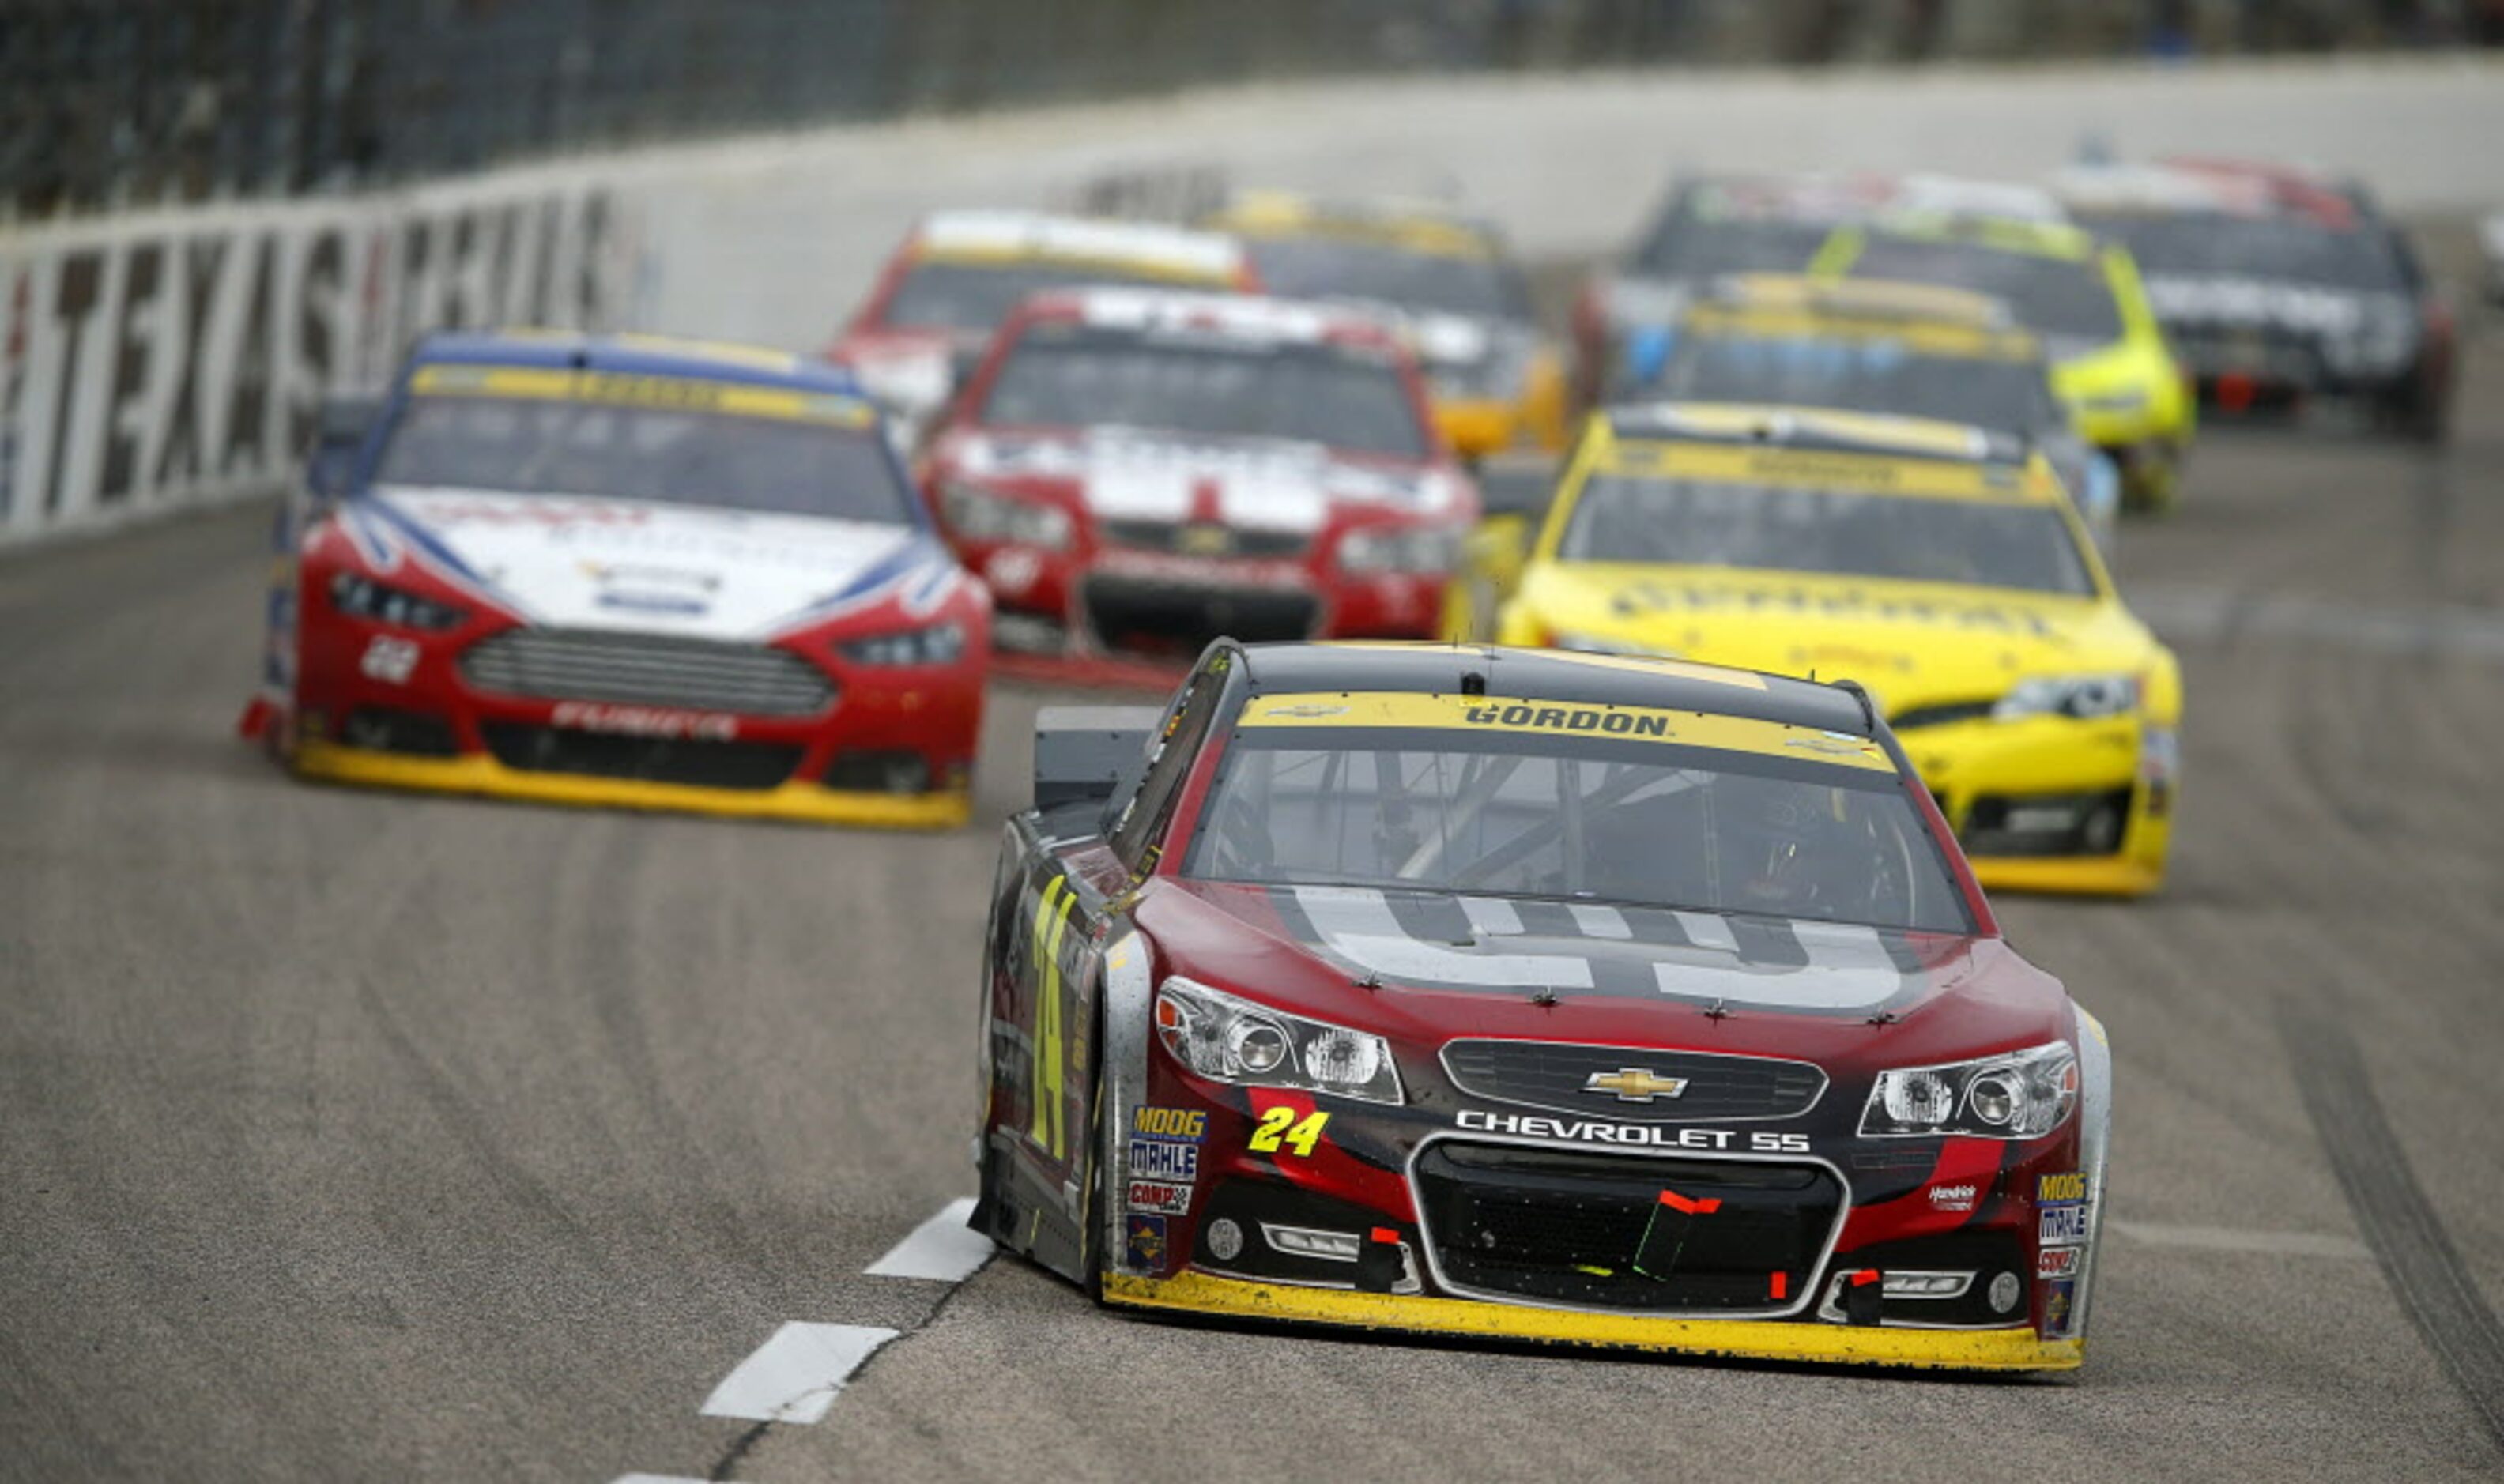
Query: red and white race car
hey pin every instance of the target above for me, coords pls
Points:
(1133, 468)
(957, 275)
(627, 572)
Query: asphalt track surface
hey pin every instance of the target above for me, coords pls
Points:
(353, 1135)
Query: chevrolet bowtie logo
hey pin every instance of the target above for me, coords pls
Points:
(1635, 1084)
(1205, 540)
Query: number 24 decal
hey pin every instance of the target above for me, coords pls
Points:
(1280, 1125)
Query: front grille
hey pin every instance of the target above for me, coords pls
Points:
(1595, 1231)
(1205, 539)
(1131, 610)
(703, 762)
(1546, 1074)
(1940, 714)
(647, 669)
(2046, 824)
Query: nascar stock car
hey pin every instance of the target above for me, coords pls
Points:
(1448, 279)
(957, 274)
(2109, 361)
(1713, 226)
(1938, 565)
(1867, 345)
(2278, 291)
(631, 571)
(1532, 996)
(1141, 471)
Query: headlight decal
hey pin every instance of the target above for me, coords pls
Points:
(942, 643)
(362, 597)
(2084, 698)
(2014, 1096)
(1225, 1039)
(982, 515)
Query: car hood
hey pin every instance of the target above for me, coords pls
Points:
(1256, 484)
(1426, 966)
(1912, 645)
(587, 562)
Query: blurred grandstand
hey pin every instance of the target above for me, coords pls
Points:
(110, 104)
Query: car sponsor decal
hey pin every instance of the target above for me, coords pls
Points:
(1462, 943)
(2058, 1261)
(1639, 1135)
(2057, 1226)
(1410, 710)
(2060, 1308)
(1159, 1195)
(1952, 1197)
(1172, 1160)
(645, 722)
(1143, 1240)
(389, 660)
(1957, 475)
(1648, 597)
(690, 393)
(2066, 1188)
(1190, 1123)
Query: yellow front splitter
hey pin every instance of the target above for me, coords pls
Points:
(2106, 876)
(481, 773)
(2015, 1349)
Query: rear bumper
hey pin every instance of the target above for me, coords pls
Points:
(481, 773)
(2014, 1349)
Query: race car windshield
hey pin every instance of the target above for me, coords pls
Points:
(1578, 820)
(1428, 283)
(1860, 374)
(1687, 246)
(979, 295)
(1840, 532)
(1076, 375)
(2064, 297)
(2292, 249)
(768, 465)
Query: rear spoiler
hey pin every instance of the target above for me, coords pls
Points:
(1085, 753)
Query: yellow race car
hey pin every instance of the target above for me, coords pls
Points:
(2110, 360)
(1495, 379)
(1938, 564)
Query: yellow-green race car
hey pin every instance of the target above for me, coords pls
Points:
(1938, 564)
(2126, 393)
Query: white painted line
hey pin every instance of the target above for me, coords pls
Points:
(2300, 1244)
(793, 1377)
(942, 1249)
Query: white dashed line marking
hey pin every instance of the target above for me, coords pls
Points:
(794, 1376)
(942, 1249)
(2300, 1244)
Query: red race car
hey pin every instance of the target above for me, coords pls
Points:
(1531, 995)
(1136, 468)
(960, 273)
(628, 572)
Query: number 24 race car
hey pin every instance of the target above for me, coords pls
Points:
(1576, 998)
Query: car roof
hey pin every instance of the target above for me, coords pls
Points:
(2157, 190)
(1248, 317)
(634, 354)
(1150, 247)
(1420, 226)
(2004, 234)
(1858, 298)
(1551, 674)
(1821, 430)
